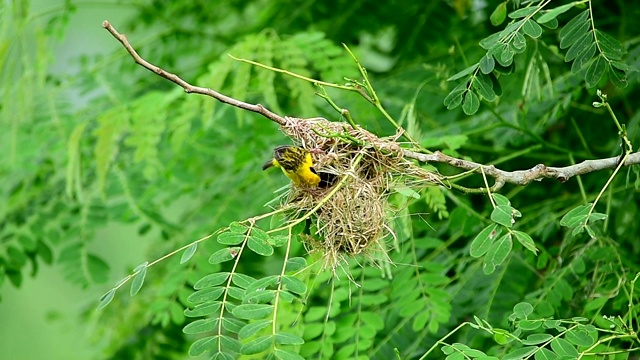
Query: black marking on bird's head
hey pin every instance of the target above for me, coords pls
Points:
(279, 151)
(289, 157)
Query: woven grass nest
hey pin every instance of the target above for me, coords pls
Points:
(353, 214)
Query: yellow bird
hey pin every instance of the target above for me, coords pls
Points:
(296, 163)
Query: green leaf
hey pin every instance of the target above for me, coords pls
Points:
(490, 41)
(505, 57)
(293, 284)
(211, 280)
(420, 320)
(238, 228)
(529, 325)
(500, 336)
(203, 345)
(236, 292)
(583, 58)
(260, 246)
(204, 309)
(524, 12)
(618, 77)
(571, 218)
(564, 289)
(296, 263)
(229, 238)
(286, 355)
(253, 311)
(471, 103)
(257, 345)
(232, 325)
(223, 255)
(553, 13)
(610, 46)
(500, 199)
(579, 338)
(447, 349)
(535, 339)
(253, 328)
(467, 351)
(580, 46)
(521, 353)
(595, 304)
(482, 242)
(532, 28)
(487, 63)
(499, 14)
(372, 319)
(454, 98)
(519, 43)
(522, 310)
(526, 241)
(574, 29)
(463, 73)
(264, 283)
(562, 347)
(188, 253)
(498, 252)
(278, 240)
(208, 294)
(140, 272)
(544, 354)
(595, 71)
(503, 215)
(260, 234)
(553, 24)
(484, 86)
(200, 326)
(261, 297)
(288, 339)
(622, 66)
(242, 280)
(106, 298)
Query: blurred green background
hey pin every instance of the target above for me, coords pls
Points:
(41, 319)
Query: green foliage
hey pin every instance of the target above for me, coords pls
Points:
(546, 271)
(579, 36)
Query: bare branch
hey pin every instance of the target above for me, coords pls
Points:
(188, 88)
(524, 177)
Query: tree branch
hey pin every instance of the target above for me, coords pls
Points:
(519, 177)
(524, 177)
(188, 88)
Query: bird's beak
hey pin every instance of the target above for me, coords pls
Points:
(268, 164)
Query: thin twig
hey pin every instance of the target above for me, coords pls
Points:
(188, 88)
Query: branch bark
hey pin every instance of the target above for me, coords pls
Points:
(501, 177)
(188, 88)
(524, 177)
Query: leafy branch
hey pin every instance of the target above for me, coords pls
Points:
(501, 177)
(579, 36)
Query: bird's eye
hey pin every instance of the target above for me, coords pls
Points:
(313, 170)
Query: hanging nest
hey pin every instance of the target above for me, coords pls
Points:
(352, 211)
